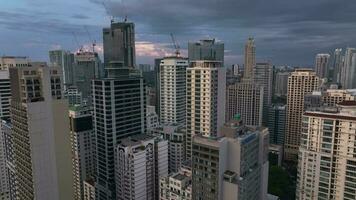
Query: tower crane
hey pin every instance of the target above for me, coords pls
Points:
(175, 45)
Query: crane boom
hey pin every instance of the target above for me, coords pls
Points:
(175, 45)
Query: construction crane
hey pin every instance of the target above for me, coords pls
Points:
(107, 12)
(76, 41)
(93, 42)
(175, 45)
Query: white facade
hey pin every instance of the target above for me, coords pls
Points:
(327, 154)
(206, 85)
(151, 117)
(172, 85)
(177, 186)
(5, 94)
(139, 162)
(89, 190)
(7, 62)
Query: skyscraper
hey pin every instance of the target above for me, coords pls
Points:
(208, 49)
(348, 71)
(250, 58)
(335, 66)
(5, 94)
(119, 44)
(327, 155)
(205, 100)
(40, 130)
(231, 167)
(300, 82)
(4, 174)
(119, 112)
(280, 83)
(139, 162)
(172, 84)
(263, 76)
(64, 60)
(277, 124)
(245, 99)
(321, 65)
(83, 147)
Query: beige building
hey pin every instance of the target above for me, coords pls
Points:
(250, 58)
(327, 154)
(206, 85)
(300, 83)
(177, 186)
(40, 129)
(246, 99)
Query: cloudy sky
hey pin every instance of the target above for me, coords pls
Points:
(287, 32)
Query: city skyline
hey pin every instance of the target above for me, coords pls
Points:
(284, 34)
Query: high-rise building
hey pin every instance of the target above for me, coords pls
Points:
(4, 175)
(280, 83)
(175, 135)
(8, 140)
(206, 84)
(300, 83)
(335, 66)
(83, 147)
(89, 190)
(208, 49)
(119, 45)
(40, 131)
(139, 162)
(245, 99)
(5, 94)
(250, 58)
(144, 67)
(64, 60)
(119, 112)
(236, 69)
(151, 117)
(74, 96)
(321, 65)
(263, 76)
(177, 185)
(87, 66)
(231, 167)
(277, 124)
(172, 84)
(348, 71)
(157, 86)
(327, 155)
(7, 62)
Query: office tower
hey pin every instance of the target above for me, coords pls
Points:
(246, 99)
(236, 69)
(335, 66)
(263, 76)
(40, 131)
(138, 161)
(119, 112)
(321, 65)
(208, 49)
(119, 45)
(151, 118)
(250, 58)
(348, 70)
(64, 60)
(144, 67)
(280, 83)
(231, 167)
(89, 190)
(177, 185)
(7, 62)
(4, 175)
(5, 94)
(175, 135)
(87, 66)
(73, 96)
(172, 84)
(83, 147)
(277, 124)
(157, 86)
(300, 83)
(205, 100)
(327, 156)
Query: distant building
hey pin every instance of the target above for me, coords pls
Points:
(205, 100)
(277, 124)
(300, 83)
(231, 167)
(151, 118)
(144, 67)
(172, 83)
(83, 143)
(74, 96)
(5, 94)
(245, 99)
(206, 50)
(321, 65)
(327, 156)
(64, 60)
(139, 162)
(280, 84)
(250, 58)
(40, 131)
(7, 62)
(236, 69)
(348, 70)
(335, 66)
(175, 135)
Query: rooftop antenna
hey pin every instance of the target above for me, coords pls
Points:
(93, 42)
(175, 45)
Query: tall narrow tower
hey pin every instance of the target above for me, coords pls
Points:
(250, 58)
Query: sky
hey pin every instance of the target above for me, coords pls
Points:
(286, 32)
